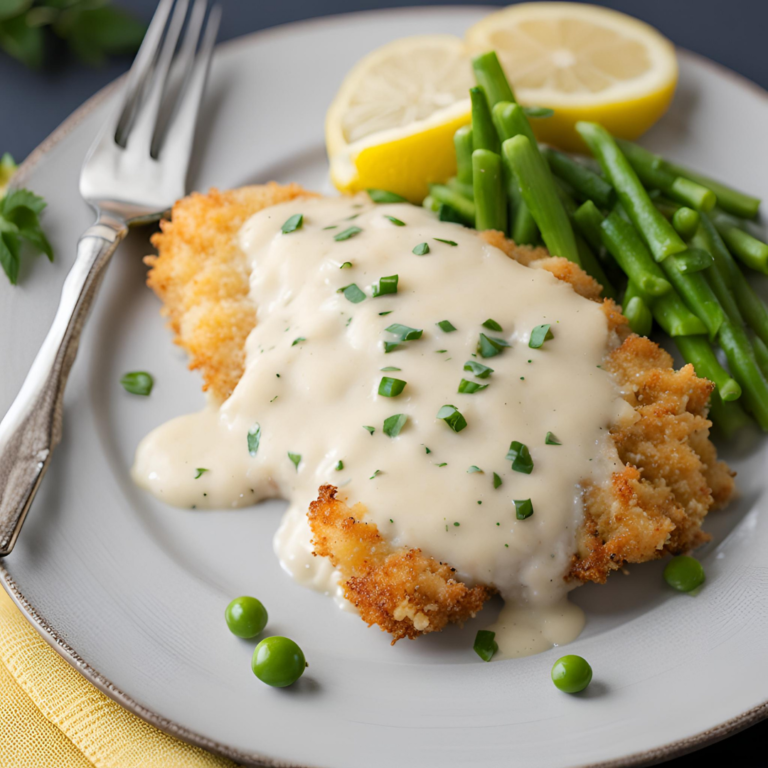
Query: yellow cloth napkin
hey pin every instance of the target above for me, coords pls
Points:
(52, 717)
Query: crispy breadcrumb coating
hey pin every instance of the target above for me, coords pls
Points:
(654, 505)
(401, 589)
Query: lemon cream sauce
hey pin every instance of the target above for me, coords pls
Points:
(308, 409)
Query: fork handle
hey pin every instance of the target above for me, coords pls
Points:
(32, 427)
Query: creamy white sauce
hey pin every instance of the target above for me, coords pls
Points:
(314, 397)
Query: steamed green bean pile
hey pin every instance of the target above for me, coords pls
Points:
(674, 242)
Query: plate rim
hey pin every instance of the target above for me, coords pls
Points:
(49, 634)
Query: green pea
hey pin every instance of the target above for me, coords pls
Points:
(571, 674)
(246, 616)
(278, 661)
(684, 573)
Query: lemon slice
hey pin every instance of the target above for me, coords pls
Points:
(585, 62)
(392, 122)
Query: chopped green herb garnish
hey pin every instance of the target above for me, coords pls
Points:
(485, 644)
(352, 293)
(480, 370)
(550, 439)
(404, 332)
(451, 415)
(333, 226)
(523, 508)
(492, 325)
(496, 482)
(490, 347)
(254, 437)
(440, 351)
(274, 398)
(441, 464)
(520, 457)
(200, 471)
(447, 242)
(395, 221)
(295, 458)
(370, 429)
(446, 325)
(138, 383)
(470, 387)
(297, 340)
(394, 424)
(388, 312)
(347, 233)
(473, 469)
(389, 387)
(295, 222)
(457, 524)
(539, 335)
(375, 474)
(346, 265)
(339, 465)
(382, 196)
(390, 346)
(422, 249)
(427, 450)
(390, 368)
(385, 286)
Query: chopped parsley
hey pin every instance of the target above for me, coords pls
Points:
(496, 482)
(200, 471)
(297, 340)
(422, 249)
(394, 424)
(492, 325)
(138, 383)
(347, 233)
(395, 221)
(254, 437)
(375, 474)
(295, 222)
(520, 457)
(339, 465)
(523, 508)
(485, 645)
(539, 335)
(473, 469)
(404, 332)
(447, 242)
(490, 347)
(389, 387)
(370, 429)
(390, 368)
(388, 312)
(352, 293)
(446, 325)
(550, 439)
(383, 196)
(451, 415)
(470, 387)
(386, 285)
(295, 458)
(478, 369)
(427, 450)
(346, 265)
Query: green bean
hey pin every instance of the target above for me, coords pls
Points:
(523, 229)
(686, 222)
(708, 238)
(638, 315)
(491, 77)
(761, 355)
(746, 248)
(462, 143)
(484, 134)
(444, 195)
(741, 360)
(510, 120)
(490, 197)
(540, 196)
(625, 245)
(697, 351)
(669, 311)
(465, 190)
(693, 260)
(587, 184)
(729, 418)
(730, 200)
(657, 232)
(697, 294)
(588, 220)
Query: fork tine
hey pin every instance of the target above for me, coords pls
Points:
(141, 67)
(139, 135)
(177, 147)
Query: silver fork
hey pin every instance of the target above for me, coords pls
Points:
(134, 172)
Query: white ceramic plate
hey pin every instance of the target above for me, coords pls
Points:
(132, 592)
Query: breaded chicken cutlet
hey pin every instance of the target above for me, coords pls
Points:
(653, 506)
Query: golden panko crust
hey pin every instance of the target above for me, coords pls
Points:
(401, 589)
(654, 505)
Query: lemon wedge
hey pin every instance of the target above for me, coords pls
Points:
(392, 122)
(583, 61)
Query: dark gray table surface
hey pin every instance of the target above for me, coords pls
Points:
(731, 32)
